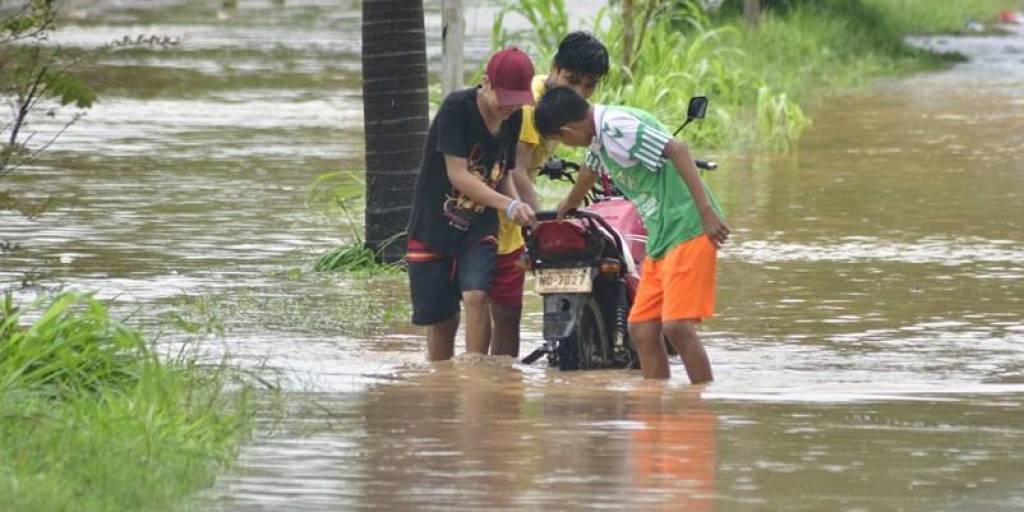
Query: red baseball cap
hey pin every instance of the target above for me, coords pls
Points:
(511, 73)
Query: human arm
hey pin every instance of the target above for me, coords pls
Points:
(682, 159)
(521, 174)
(585, 180)
(466, 182)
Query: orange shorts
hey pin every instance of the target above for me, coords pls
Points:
(679, 286)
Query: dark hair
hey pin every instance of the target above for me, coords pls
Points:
(583, 54)
(557, 108)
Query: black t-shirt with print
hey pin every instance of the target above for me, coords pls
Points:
(443, 217)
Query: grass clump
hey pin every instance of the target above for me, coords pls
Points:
(339, 194)
(91, 418)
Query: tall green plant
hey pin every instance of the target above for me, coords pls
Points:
(548, 21)
(91, 418)
(341, 192)
(677, 54)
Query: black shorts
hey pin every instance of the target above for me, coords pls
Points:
(437, 281)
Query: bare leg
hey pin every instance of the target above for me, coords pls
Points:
(683, 335)
(478, 321)
(505, 339)
(441, 339)
(646, 337)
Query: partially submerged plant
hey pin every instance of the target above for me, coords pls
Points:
(341, 192)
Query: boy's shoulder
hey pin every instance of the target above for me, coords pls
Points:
(612, 116)
(459, 100)
(630, 137)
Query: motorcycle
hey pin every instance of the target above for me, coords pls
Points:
(586, 267)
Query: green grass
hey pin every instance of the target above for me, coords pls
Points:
(931, 16)
(91, 418)
(341, 195)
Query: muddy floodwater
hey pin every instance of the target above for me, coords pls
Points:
(869, 346)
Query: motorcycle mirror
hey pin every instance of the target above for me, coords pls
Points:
(697, 109)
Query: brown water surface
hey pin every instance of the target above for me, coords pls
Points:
(869, 347)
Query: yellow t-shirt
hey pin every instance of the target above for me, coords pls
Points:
(510, 235)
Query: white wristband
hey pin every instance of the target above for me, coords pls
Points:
(508, 209)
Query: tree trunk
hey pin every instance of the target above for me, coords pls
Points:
(395, 112)
(752, 11)
(453, 35)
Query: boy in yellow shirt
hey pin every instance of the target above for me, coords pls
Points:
(580, 63)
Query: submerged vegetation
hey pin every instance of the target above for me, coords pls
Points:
(760, 80)
(339, 194)
(91, 418)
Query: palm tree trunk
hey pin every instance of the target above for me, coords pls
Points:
(395, 112)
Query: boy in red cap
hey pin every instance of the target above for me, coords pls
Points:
(470, 148)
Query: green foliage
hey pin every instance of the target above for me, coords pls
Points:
(759, 80)
(341, 192)
(681, 55)
(927, 16)
(548, 21)
(34, 71)
(353, 258)
(92, 419)
(890, 18)
(68, 89)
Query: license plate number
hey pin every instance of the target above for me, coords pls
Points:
(563, 280)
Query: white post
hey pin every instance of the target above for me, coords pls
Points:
(453, 35)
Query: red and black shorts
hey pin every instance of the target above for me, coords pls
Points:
(437, 281)
(509, 276)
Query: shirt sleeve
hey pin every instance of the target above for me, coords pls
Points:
(452, 123)
(528, 132)
(630, 141)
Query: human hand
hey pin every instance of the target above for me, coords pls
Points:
(521, 214)
(562, 210)
(715, 228)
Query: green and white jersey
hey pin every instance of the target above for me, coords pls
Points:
(629, 147)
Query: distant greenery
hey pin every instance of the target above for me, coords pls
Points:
(761, 80)
(91, 418)
(899, 16)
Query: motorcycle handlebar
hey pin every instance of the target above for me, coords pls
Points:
(556, 169)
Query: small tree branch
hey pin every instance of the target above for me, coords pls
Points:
(35, 153)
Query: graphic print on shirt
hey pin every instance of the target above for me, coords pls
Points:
(460, 210)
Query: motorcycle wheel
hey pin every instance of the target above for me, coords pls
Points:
(587, 347)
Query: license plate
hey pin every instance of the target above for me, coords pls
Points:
(563, 280)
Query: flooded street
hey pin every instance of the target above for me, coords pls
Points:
(869, 347)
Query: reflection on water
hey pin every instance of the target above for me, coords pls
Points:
(869, 344)
(475, 435)
(479, 435)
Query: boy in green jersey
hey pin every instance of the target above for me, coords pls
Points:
(684, 223)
